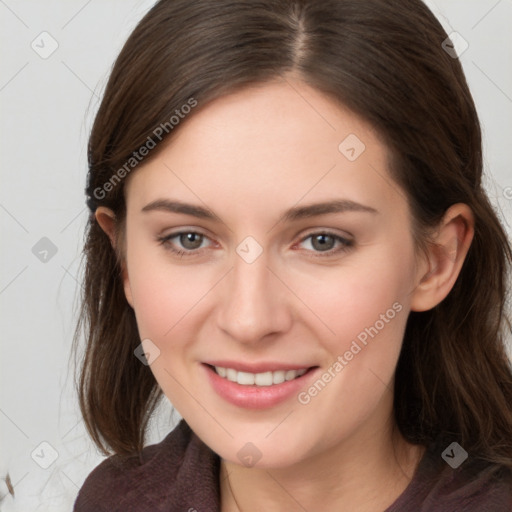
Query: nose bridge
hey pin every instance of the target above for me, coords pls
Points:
(252, 306)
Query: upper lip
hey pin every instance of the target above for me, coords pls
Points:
(262, 367)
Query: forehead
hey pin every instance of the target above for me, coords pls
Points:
(267, 146)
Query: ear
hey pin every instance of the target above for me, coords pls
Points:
(444, 259)
(107, 221)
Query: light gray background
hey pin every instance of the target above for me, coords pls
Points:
(47, 106)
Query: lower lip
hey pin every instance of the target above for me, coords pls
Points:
(256, 397)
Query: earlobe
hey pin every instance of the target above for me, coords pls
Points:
(107, 221)
(444, 259)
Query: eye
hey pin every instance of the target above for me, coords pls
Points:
(185, 242)
(327, 243)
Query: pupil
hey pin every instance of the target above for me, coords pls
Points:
(323, 242)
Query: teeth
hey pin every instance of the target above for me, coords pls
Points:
(264, 379)
(278, 377)
(247, 379)
(289, 375)
(258, 379)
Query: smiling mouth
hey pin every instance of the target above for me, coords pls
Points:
(263, 379)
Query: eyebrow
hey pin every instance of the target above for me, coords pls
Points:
(179, 207)
(293, 214)
(336, 206)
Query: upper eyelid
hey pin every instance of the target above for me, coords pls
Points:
(345, 242)
(328, 232)
(170, 236)
(320, 231)
(343, 239)
(181, 231)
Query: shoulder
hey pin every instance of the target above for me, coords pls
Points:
(164, 477)
(448, 479)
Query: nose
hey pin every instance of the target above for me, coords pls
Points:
(253, 304)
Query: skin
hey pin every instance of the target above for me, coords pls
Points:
(248, 157)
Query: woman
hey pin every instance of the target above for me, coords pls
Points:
(289, 239)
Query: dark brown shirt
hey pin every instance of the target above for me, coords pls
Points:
(181, 474)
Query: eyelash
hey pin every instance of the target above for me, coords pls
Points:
(166, 242)
(345, 244)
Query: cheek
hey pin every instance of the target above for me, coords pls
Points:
(165, 297)
(162, 293)
(366, 308)
(355, 299)
(170, 312)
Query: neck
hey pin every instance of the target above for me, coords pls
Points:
(366, 472)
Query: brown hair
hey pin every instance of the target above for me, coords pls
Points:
(384, 61)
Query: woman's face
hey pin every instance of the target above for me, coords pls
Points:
(269, 240)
